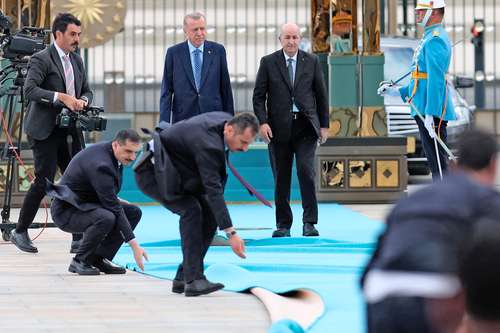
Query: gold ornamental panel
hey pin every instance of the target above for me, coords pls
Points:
(360, 174)
(3, 177)
(101, 19)
(332, 174)
(25, 173)
(387, 173)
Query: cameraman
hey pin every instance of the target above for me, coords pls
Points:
(56, 78)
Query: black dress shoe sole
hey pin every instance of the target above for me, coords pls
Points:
(72, 269)
(191, 293)
(24, 249)
(310, 234)
(114, 271)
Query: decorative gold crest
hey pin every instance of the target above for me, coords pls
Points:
(101, 19)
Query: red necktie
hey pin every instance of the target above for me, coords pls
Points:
(243, 182)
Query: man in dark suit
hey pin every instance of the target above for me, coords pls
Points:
(56, 79)
(86, 202)
(411, 283)
(192, 155)
(291, 103)
(195, 76)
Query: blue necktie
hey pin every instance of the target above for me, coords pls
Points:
(197, 68)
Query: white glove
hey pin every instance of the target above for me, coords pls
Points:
(429, 125)
(388, 89)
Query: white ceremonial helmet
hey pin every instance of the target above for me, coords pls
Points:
(429, 5)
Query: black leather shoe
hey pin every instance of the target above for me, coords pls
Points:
(309, 230)
(201, 287)
(281, 232)
(75, 245)
(177, 286)
(108, 267)
(82, 268)
(22, 241)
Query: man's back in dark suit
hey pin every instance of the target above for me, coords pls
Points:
(55, 76)
(183, 95)
(291, 103)
(414, 270)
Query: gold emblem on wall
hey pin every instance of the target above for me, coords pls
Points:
(101, 19)
(387, 173)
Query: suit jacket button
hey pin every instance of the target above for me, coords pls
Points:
(198, 95)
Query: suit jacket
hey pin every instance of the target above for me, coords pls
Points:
(92, 180)
(45, 77)
(179, 98)
(196, 164)
(273, 93)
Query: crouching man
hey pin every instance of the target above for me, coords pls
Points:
(86, 201)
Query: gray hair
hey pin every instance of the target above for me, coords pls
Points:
(194, 16)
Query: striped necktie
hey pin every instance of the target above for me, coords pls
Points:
(197, 68)
(69, 76)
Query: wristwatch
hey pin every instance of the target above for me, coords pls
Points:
(230, 234)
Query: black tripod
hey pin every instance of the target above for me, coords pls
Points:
(16, 71)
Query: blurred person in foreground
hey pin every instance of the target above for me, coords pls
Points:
(411, 283)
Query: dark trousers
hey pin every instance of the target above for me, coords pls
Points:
(101, 235)
(430, 148)
(48, 154)
(302, 145)
(197, 228)
(398, 315)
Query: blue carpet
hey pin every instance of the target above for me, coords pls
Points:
(330, 264)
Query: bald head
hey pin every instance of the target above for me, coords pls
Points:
(290, 38)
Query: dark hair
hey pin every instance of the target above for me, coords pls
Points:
(61, 22)
(127, 134)
(244, 120)
(440, 11)
(476, 149)
(480, 272)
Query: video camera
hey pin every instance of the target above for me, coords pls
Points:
(21, 44)
(88, 119)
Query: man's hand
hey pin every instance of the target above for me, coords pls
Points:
(388, 89)
(324, 135)
(139, 253)
(237, 245)
(429, 125)
(71, 102)
(265, 133)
